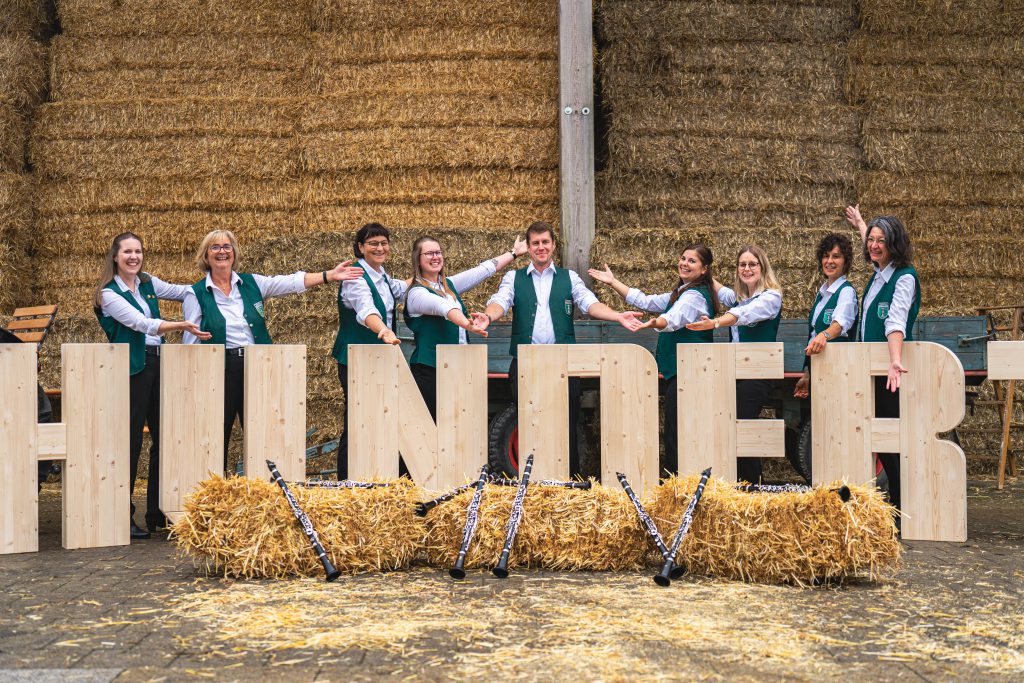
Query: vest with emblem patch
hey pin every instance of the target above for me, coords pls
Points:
(874, 316)
(252, 310)
(122, 334)
(524, 309)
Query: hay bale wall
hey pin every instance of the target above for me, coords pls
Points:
(291, 123)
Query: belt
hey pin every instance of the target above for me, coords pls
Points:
(152, 350)
(239, 352)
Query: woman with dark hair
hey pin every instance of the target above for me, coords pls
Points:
(888, 312)
(691, 298)
(366, 311)
(230, 306)
(126, 304)
(833, 315)
(434, 310)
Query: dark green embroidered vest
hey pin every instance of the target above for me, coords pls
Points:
(764, 331)
(825, 319)
(873, 318)
(252, 310)
(524, 309)
(665, 353)
(120, 334)
(431, 330)
(350, 330)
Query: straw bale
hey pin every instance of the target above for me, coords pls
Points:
(623, 217)
(368, 15)
(721, 57)
(959, 153)
(753, 118)
(992, 256)
(781, 88)
(868, 82)
(452, 76)
(641, 21)
(146, 17)
(987, 17)
(82, 270)
(963, 221)
(797, 538)
(199, 156)
(425, 185)
(562, 529)
(186, 117)
(382, 110)
(13, 135)
(432, 215)
(940, 189)
(436, 147)
(243, 528)
(882, 48)
(438, 41)
(15, 224)
(764, 159)
(25, 17)
(161, 83)
(943, 113)
(22, 72)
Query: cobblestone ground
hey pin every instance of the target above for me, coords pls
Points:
(140, 613)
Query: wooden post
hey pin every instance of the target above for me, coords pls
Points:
(275, 410)
(629, 415)
(576, 116)
(19, 502)
(461, 412)
(191, 421)
(842, 415)
(544, 408)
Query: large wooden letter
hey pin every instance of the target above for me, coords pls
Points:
(843, 415)
(709, 433)
(544, 408)
(1005, 362)
(275, 410)
(191, 420)
(461, 412)
(95, 407)
(19, 503)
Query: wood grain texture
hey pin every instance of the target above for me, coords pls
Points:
(629, 415)
(53, 441)
(19, 501)
(373, 411)
(275, 410)
(544, 408)
(706, 408)
(842, 412)
(461, 412)
(1006, 360)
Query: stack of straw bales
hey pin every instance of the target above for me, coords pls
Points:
(940, 82)
(291, 124)
(728, 124)
(23, 24)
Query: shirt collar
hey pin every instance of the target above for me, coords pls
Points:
(834, 287)
(375, 274)
(530, 269)
(885, 273)
(124, 287)
(234, 280)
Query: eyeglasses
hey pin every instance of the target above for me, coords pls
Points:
(754, 265)
(432, 254)
(873, 240)
(380, 244)
(220, 247)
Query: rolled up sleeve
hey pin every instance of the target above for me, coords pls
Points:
(581, 295)
(281, 285)
(760, 308)
(506, 292)
(652, 303)
(899, 308)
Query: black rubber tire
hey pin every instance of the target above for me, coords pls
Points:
(800, 457)
(503, 443)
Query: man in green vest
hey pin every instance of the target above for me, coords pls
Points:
(541, 297)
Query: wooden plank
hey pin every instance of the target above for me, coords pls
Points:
(191, 420)
(27, 311)
(19, 502)
(31, 337)
(95, 408)
(544, 408)
(417, 433)
(52, 440)
(933, 472)
(31, 324)
(760, 439)
(576, 123)
(842, 409)
(461, 412)
(706, 408)
(885, 435)
(629, 415)
(585, 360)
(275, 410)
(373, 415)
(759, 360)
(1006, 360)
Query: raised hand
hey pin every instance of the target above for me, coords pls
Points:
(606, 276)
(854, 218)
(344, 271)
(519, 248)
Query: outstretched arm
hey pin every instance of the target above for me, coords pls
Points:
(854, 218)
(607, 277)
(628, 319)
(340, 273)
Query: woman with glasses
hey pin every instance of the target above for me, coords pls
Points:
(229, 306)
(434, 310)
(888, 311)
(754, 311)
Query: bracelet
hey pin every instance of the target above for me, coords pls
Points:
(718, 323)
(828, 337)
(325, 277)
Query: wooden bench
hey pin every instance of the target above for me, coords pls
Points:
(33, 323)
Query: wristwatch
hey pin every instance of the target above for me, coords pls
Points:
(718, 323)
(828, 337)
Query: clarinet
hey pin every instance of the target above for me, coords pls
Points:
(577, 485)
(423, 508)
(343, 484)
(664, 578)
(458, 571)
(652, 529)
(512, 528)
(843, 491)
(307, 526)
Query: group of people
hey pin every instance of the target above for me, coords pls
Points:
(227, 307)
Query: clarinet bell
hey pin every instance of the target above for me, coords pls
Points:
(678, 572)
(332, 571)
(664, 578)
(457, 572)
(501, 571)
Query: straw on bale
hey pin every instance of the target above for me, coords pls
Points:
(448, 76)
(395, 45)
(795, 538)
(648, 190)
(15, 225)
(346, 15)
(22, 72)
(989, 82)
(981, 17)
(593, 530)
(978, 152)
(146, 17)
(244, 528)
(923, 48)
(934, 113)
(25, 17)
(13, 134)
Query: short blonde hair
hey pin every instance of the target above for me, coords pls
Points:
(204, 247)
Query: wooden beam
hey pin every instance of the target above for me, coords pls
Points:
(275, 410)
(576, 116)
(19, 503)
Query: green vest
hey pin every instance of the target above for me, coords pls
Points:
(350, 330)
(873, 318)
(431, 330)
(665, 353)
(524, 309)
(120, 334)
(764, 331)
(825, 319)
(252, 310)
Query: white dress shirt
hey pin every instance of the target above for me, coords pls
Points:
(845, 312)
(356, 294)
(543, 329)
(123, 312)
(688, 308)
(760, 307)
(899, 307)
(231, 306)
(420, 302)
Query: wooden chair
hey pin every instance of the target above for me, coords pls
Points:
(32, 324)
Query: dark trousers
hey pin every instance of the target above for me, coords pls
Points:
(403, 471)
(751, 395)
(887, 404)
(575, 391)
(426, 380)
(234, 398)
(144, 392)
(670, 433)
